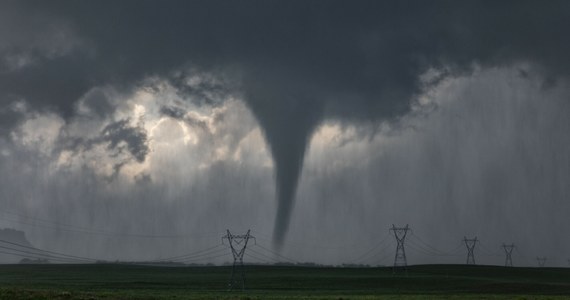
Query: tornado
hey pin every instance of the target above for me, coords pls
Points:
(288, 119)
(288, 152)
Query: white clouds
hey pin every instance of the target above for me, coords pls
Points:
(39, 132)
(109, 128)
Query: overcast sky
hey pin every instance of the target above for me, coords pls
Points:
(144, 129)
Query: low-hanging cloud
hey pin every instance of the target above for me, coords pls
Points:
(295, 64)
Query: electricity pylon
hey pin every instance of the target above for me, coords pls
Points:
(470, 244)
(508, 252)
(400, 235)
(541, 261)
(237, 243)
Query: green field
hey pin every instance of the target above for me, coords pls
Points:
(115, 281)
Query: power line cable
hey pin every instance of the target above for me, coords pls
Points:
(52, 225)
(383, 258)
(424, 250)
(362, 256)
(204, 258)
(266, 256)
(188, 254)
(429, 251)
(277, 254)
(268, 238)
(381, 251)
(197, 256)
(34, 257)
(488, 252)
(428, 246)
(273, 259)
(44, 256)
(259, 259)
(47, 251)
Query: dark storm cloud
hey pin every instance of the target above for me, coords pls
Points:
(134, 139)
(119, 137)
(206, 89)
(11, 115)
(298, 61)
(180, 114)
(98, 103)
(173, 112)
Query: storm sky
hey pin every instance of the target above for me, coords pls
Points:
(141, 129)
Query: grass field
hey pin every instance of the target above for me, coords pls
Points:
(102, 281)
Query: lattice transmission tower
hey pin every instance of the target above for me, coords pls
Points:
(541, 261)
(237, 244)
(470, 244)
(400, 233)
(508, 253)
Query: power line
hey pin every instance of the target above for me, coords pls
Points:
(47, 251)
(508, 254)
(456, 250)
(362, 256)
(188, 254)
(275, 253)
(400, 233)
(527, 258)
(204, 258)
(374, 254)
(382, 258)
(488, 252)
(424, 249)
(429, 247)
(259, 259)
(380, 251)
(52, 225)
(33, 257)
(43, 255)
(470, 244)
(264, 255)
(541, 261)
(200, 256)
(238, 244)
(268, 238)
